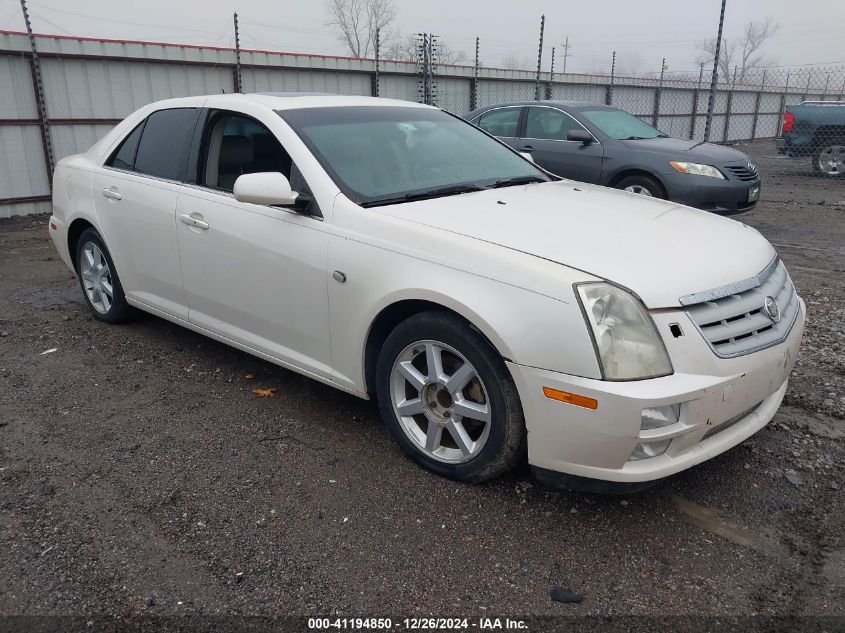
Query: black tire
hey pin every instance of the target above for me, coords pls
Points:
(829, 146)
(645, 182)
(505, 443)
(118, 311)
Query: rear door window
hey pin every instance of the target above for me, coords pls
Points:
(500, 122)
(165, 142)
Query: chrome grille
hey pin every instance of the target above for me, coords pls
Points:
(734, 319)
(745, 173)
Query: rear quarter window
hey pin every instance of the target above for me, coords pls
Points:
(165, 142)
(124, 156)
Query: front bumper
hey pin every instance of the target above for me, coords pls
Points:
(745, 392)
(726, 197)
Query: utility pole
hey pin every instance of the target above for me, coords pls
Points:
(565, 47)
(551, 76)
(238, 80)
(714, 79)
(539, 58)
(40, 102)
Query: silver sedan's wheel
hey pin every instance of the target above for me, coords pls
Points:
(440, 401)
(639, 189)
(831, 161)
(96, 278)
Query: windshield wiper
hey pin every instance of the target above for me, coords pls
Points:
(516, 180)
(437, 192)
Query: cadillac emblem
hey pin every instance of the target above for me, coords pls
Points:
(771, 308)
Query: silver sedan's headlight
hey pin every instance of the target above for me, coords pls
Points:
(626, 340)
(696, 169)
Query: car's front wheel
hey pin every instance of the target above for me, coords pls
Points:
(643, 185)
(100, 284)
(448, 399)
(829, 161)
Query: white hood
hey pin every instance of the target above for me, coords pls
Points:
(658, 249)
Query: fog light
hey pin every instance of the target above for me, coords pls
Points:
(644, 450)
(658, 417)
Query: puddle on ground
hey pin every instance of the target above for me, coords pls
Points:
(709, 520)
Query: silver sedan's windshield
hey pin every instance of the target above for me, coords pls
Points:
(387, 154)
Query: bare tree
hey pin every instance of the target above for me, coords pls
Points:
(515, 62)
(403, 48)
(742, 53)
(357, 21)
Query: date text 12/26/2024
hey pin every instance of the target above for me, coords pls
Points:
(416, 624)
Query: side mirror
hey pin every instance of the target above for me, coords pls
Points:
(527, 156)
(269, 189)
(582, 136)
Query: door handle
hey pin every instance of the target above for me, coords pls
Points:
(190, 220)
(527, 148)
(112, 193)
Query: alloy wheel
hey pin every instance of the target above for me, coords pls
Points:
(639, 189)
(440, 401)
(96, 278)
(832, 160)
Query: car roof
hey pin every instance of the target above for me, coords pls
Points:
(286, 100)
(560, 103)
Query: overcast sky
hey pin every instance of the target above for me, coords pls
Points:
(642, 32)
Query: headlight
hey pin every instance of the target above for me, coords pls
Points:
(696, 169)
(626, 340)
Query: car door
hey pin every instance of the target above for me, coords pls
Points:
(546, 128)
(503, 123)
(253, 274)
(135, 196)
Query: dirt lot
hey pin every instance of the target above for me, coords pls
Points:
(141, 476)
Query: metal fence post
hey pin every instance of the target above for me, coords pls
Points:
(695, 95)
(757, 106)
(238, 78)
(657, 92)
(807, 87)
(608, 94)
(40, 101)
(539, 58)
(714, 79)
(783, 104)
(473, 95)
(375, 88)
(729, 107)
(826, 83)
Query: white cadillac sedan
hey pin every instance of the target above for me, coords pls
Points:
(395, 251)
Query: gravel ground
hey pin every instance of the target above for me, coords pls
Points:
(141, 476)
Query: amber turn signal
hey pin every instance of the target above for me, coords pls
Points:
(570, 398)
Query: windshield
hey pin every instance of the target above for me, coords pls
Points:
(621, 125)
(389, 154)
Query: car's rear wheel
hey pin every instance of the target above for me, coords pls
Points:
(829, 161)
(99, 281)
(643, 185)
(448, 399)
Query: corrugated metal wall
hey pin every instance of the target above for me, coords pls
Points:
(91, 84)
